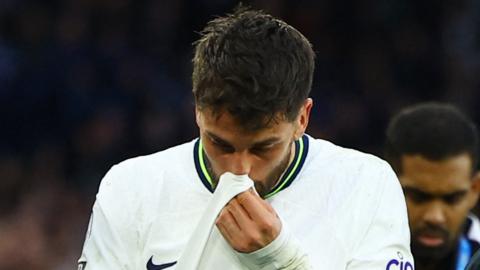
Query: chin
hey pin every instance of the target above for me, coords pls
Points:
(430, 253)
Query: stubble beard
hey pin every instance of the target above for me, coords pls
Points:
(262, 187)
(430, 255)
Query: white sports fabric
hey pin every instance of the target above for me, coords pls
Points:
(345, 209)
(473, 232)
(203, 242)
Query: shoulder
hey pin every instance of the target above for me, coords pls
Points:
(133, 178)
(345, 183)
(352, 187)
(473, 230)
(353, 170)
(354, 182)
(150, 167)
(321, 150)
(129, 194)
(370, 196)
(174, 156)
(473, 236)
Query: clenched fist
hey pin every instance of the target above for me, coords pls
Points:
(248, 222)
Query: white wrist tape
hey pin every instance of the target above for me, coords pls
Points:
(282, 253)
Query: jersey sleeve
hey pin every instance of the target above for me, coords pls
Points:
(386, 242)
(110, 241)
(284, 252)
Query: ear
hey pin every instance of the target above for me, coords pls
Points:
(303, 118)
(476, 182)
(475, 188)
(197, 115)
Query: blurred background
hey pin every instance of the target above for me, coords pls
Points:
(85, 84)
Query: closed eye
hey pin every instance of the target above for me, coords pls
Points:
(225, 147)
(454, 198)
(417, 196)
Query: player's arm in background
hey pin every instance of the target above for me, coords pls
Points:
(386, 242)
(110, 242)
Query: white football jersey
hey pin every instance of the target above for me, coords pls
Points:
(345, 208)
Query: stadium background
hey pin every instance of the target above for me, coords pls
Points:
(85, 84)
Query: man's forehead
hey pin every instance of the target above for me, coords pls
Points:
(436, 177)
(263, 139)
(459, 166)
(433, 192)
(222, 119)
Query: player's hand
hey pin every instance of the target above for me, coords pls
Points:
(248, 222)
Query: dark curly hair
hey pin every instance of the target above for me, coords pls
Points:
(254, 66)
(435, 131)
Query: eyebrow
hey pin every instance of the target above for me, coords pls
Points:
(430, 195)
(262, 143)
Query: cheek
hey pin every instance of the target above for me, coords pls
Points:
(277, 160)
(456, 217)
(414, 213)
(458, 213)
(264, 167)
(219, 161)
(216, 158)
(267, 165)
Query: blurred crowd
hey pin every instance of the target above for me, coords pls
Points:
(85, 84)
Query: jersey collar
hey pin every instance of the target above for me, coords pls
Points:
(301, 150)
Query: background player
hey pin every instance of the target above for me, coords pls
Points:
(433, 148)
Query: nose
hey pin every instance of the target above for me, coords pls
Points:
(435, 214)
(240, 163)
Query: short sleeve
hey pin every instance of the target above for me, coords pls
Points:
(110, 241)
(386, 243)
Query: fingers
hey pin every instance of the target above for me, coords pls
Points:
(264, 202)
(268, 207)
(239, 214)
(227, 224)
(248, 223)
(255, 206)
